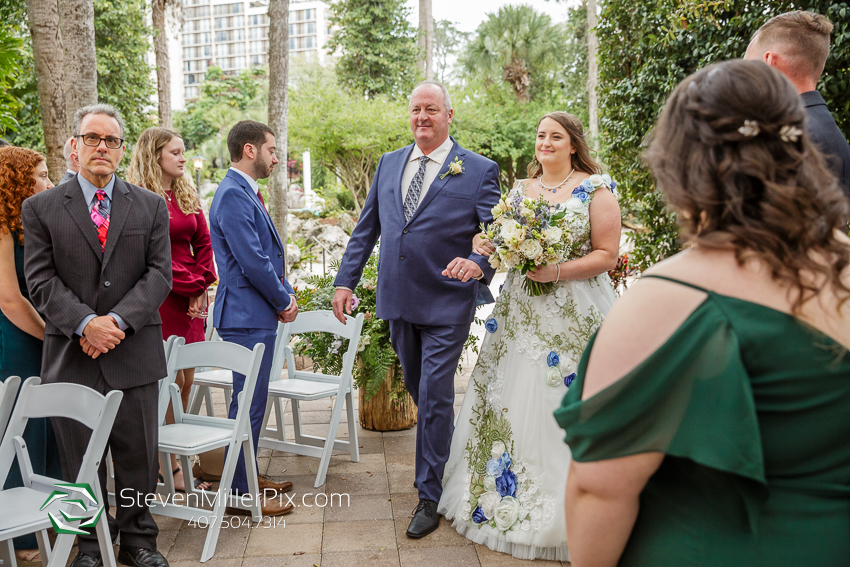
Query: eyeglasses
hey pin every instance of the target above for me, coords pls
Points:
(93, 140)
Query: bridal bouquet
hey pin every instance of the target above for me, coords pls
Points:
(529, 233)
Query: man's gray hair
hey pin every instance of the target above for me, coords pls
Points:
(99, 108)
(442, 87)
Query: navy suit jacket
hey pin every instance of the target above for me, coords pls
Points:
(824, 132)
(413, 254)
(249, 255)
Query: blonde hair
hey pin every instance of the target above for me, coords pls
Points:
(146, 172)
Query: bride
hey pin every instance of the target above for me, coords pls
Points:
(505, 478)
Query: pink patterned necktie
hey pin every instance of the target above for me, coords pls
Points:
(100, 218)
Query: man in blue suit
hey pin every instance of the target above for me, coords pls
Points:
(252, 293)
(426, 203)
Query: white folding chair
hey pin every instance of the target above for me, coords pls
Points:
(27, 508)
(193, 434)
(306, 386)
(8, 391)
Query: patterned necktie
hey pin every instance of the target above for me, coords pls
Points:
(100, 217)
(411, 201)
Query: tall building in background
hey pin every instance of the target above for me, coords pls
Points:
(234, 35)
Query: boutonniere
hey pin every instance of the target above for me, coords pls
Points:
(455, 168)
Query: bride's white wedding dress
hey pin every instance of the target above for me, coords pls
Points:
(503, 485)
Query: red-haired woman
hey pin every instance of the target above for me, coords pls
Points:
(23, 173)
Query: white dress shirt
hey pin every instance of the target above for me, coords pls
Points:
(436, 159)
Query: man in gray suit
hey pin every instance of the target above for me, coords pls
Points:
(72, 166)
(98, 266)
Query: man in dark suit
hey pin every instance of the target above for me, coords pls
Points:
(72, 166)
(252, 293)
(426, 203)
(98, 266)
(797, 44)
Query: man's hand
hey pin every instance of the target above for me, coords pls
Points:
(289, 315)
(103, 333)
(342, 298)
(88, 348)
(462, 269)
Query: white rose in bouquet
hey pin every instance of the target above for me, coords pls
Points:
(511, 259)
(511, 230)
(531, 248)
(596, 180)
(490, 483)
(497, 449)
(552, 234)
(574, 205)
(494, 261)
(488, 502)
(507, 513)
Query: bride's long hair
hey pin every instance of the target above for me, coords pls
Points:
(581, 159)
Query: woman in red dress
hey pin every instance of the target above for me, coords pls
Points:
(158, 165)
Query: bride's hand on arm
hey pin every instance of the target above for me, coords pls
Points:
(481, 245)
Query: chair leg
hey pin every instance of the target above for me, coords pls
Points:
(253, 483)
(62, 547)
(227, 397)
(278, 409)
(43, 546)
(7, 553)
(209, 401)
(264, 430)
(105, 542)
(220, 503)
(195, 399)
(296, 422)
(354, 446)
(336, 414)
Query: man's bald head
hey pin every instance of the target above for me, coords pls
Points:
(71, 161)
(796, 43)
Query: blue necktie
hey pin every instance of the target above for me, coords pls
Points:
(411, 201)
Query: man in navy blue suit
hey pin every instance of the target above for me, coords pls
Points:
(252, 293)
(797, 45)
(426, 203)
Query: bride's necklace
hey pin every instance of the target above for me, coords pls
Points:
(559, 185)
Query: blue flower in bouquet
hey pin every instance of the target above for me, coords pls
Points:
(586, 186)
(553, 359)
(506, 484)
(478, 516)
(569, 379)
(505, 461)
(491, 325)
(495, 468)
(581, 195)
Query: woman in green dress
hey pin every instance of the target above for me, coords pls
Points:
(23, 173)
(709, 420)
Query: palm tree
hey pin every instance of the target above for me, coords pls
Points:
(10, 53)
(159, 10)
(512, 45)
(278, 106)
(77, 17)
(49, 58)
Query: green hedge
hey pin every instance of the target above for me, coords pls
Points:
(646, 48)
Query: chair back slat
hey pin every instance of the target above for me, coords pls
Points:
(323, 322)
(8, 391)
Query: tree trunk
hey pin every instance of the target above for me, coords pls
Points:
(77, 17)
(43, 20)
(426, 38)
(278, 108)
(382, 414)
(163, 70)
(592, 73)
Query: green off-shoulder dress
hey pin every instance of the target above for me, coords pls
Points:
(752, 409)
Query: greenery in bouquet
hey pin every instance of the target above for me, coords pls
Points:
(530, 233)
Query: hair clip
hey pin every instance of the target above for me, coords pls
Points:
(790, 133)
(749, 129)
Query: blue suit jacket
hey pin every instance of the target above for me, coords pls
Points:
(413, 254)
(249, 255)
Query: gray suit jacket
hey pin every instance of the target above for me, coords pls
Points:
(69, 278)
(69, 175)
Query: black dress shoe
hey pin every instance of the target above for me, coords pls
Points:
(425, 519)
(141, 557)
(85, 560)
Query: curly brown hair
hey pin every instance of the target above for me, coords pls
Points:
(730, 154)
(581, 159)
(17, 182)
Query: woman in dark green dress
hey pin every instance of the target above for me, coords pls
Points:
(22, 174)
(710, 418)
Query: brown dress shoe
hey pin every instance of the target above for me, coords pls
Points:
(267, 483)
(270, 507)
